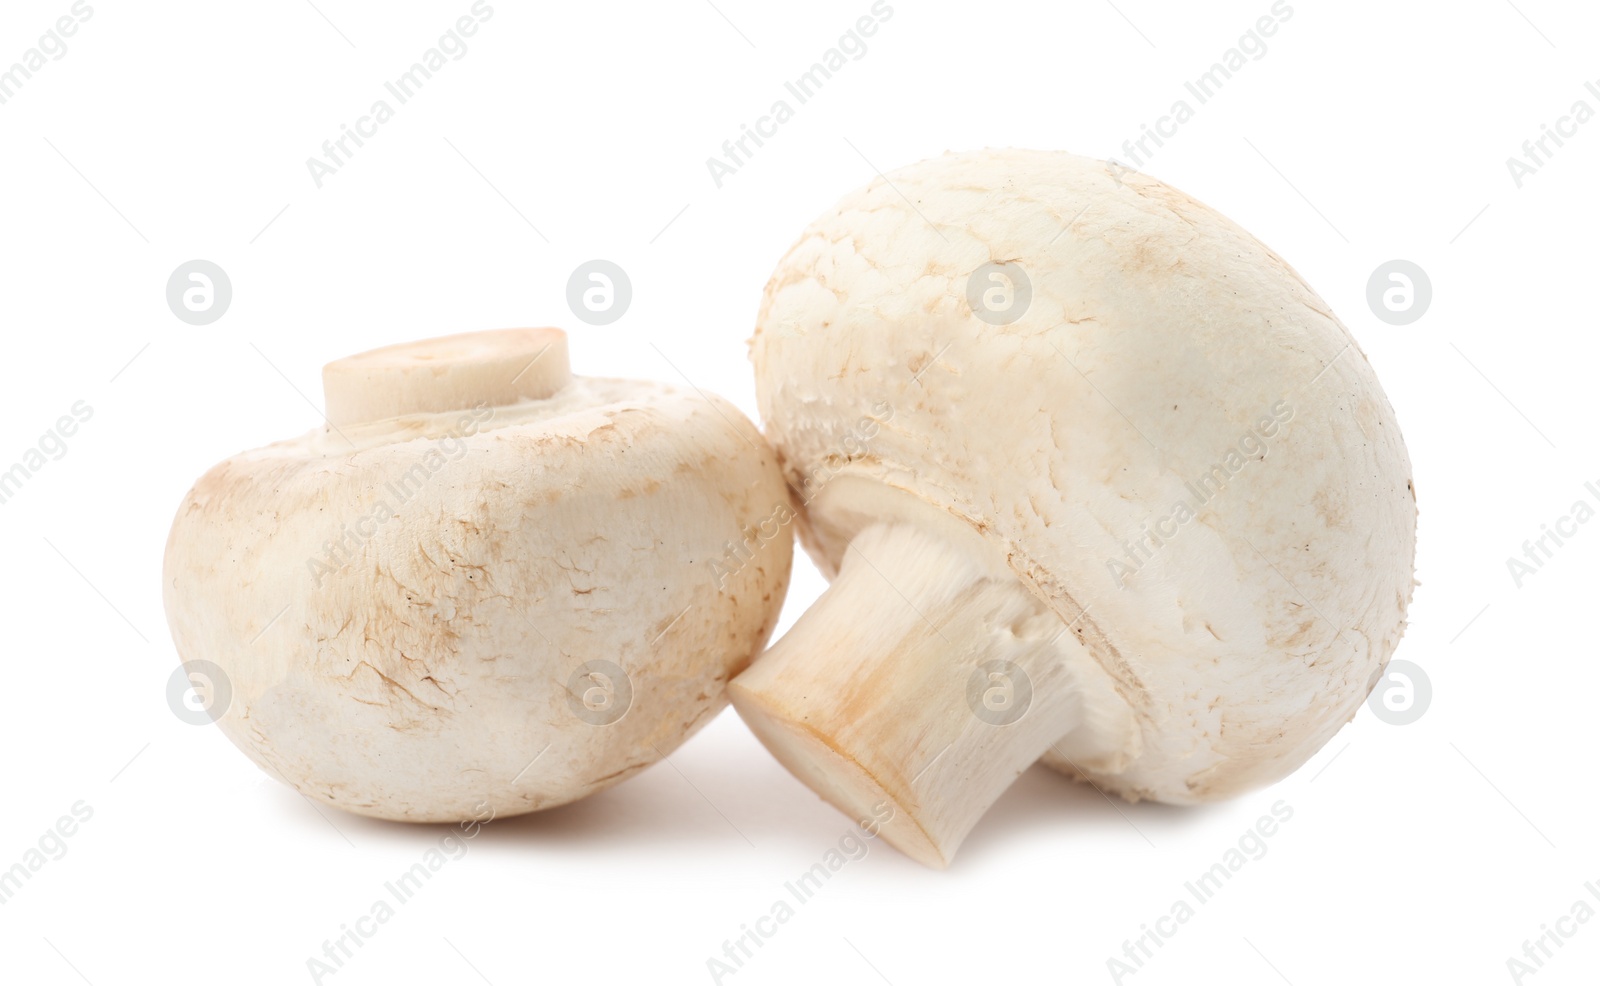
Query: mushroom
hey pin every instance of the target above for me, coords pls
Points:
(485, 585)
(1097, 478)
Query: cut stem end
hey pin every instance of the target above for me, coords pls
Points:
(915, 690)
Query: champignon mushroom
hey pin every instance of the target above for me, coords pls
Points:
(1101, 481)
(486, 584)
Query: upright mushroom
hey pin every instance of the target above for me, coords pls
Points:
(1100, 480)
(486, 585)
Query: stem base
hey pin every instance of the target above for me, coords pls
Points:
(919, 686)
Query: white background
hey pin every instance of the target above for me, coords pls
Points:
(1369, 131)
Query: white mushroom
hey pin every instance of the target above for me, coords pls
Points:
(1131, 500)
(486, 584)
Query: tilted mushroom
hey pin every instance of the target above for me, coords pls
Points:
(486, 585)
(1101, 480)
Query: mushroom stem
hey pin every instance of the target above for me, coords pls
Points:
(919, 682)
(450, 373)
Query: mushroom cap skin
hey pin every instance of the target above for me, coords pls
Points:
(407, 608)
(1157, 342)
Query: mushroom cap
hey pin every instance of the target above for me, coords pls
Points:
(523, 604)
(1162, 346)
